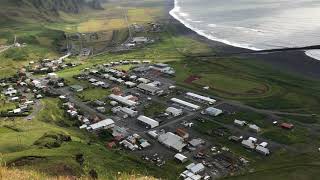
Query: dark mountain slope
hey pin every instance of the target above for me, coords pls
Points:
(48, 10)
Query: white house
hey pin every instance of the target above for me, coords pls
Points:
(104, 124)
(211, 111)
(174, 111)
(151, 123)
(239, 122)
(185, 104)
(254, 128)
(181, 158)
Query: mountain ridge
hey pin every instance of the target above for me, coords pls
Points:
(45, 10)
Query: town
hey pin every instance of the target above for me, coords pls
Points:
(146, 114)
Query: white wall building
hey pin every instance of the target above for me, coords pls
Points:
(211, 111)
(174, 111)
(198, 97)
(172, 141)
(181, 158)
(151, 123)
(185, 104)
(123, 100)
(104, 124)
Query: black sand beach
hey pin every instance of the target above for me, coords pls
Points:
(291, 61)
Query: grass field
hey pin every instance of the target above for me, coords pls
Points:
(93, 94)
(153, 109)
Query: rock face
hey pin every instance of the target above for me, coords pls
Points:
(47, 10)
(68, 6)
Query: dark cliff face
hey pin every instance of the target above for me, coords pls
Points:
(43, 10)
(69, 6)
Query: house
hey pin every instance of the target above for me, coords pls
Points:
(163, 68)
(92, 80)
(140, 40)
(150, 123)
(148, 89)
(104, 124)
(17, 111)
(174, 111)
(37, 83)
(101, 109)
(52, 76)
(143, 80)
(263, 144)
(129, 112)
(182, 133)
(239, 123)
(15, 99)
(172, 141)
(84, 126)
(119, 132)
(248, 144)
(287, 126)
(129, 145)
(235, 138)
(130, 84)
(253, 139)
(263, 150)
(196, 142)
(76, 88)
(200, 98)
(181, 158)
(10, 91)
(117, 110)
(195, 168)
(153, 134)
(133, 77)
(183, 103)
(211, 111)
(254, 128)
(123, 100)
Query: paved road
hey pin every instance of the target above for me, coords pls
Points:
(4, 48)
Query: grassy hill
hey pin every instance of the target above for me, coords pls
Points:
(13, 173)
(42, 10)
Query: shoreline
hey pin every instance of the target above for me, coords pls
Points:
(294, 61)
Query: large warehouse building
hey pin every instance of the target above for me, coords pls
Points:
(198, 97)
(185, 104)
(150, 123)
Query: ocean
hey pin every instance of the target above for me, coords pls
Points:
(253, 24)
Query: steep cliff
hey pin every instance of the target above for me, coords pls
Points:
(43, 9)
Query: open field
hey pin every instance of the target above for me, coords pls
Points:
(246, 81)
(93, 94)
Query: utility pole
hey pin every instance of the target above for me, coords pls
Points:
(15, 39)
(127, 22)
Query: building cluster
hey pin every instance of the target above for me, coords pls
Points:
(135, 142)
(49, 65)
(122, 111)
